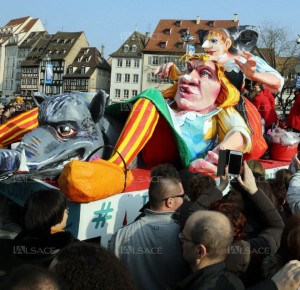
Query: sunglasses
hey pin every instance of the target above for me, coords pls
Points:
(180, 195)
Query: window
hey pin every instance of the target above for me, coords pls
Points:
(126, 94)
(136, 63)
(134, 92)
(135, 78)
(82, 70)
(119, 62)
(154, 60)
(78, 59)
(117, 93)
(163, 44)
(118, 78)
(128, 63)
(126, 48)
(133, 48)
(127, 78)
(70, 69)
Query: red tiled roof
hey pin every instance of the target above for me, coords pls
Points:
(17, 21)
(168, 32)
(29, 25)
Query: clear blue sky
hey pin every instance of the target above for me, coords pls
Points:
(110, 22)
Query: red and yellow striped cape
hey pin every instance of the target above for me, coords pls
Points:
(15, 128)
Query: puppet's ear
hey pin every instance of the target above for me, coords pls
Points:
(38, 99)
(228, 43)
(97, 105)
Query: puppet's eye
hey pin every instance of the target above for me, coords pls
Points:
(214, 40)
(65, 131)
(206, 74)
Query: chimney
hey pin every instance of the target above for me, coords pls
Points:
(198, 20)
(102, 51)
(236, 17)
(147, 37)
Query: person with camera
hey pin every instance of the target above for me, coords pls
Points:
(293, 193)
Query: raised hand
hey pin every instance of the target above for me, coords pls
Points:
(247, 182)
(248, 67)
(164, 70)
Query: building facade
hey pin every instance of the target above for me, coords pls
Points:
(126, 64)
(53, 52)
(13, 34)
(89, 72)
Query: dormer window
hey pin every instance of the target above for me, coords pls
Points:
(180, 44)
(167, 31)
(133, 48)
(211, 23)
(126, 48)
(163, 44)
(86, 51)
(178, 23)
(78, 59)
(82, 70)
(133, 37)
(70, 69)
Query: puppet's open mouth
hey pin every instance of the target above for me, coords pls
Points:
(76, 155)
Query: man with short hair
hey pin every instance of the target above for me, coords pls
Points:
(149, 247)
(206, 238)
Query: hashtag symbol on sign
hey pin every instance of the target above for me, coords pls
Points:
(102, 215)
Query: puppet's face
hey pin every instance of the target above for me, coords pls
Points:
(199, 88)
(215, 44)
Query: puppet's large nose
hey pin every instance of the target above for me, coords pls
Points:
(206, 44)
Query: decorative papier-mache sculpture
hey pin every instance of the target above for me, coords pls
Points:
(207, 114)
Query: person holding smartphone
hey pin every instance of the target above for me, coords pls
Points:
(293, 193)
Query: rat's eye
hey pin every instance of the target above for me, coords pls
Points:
(65, 131)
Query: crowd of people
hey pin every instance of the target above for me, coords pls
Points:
(13, 109)
(192, 234)
(264, 101)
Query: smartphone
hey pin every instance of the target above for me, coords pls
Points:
(235, 160)
(223, 161)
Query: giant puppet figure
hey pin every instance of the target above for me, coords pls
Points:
(202, 119)
(208, 114)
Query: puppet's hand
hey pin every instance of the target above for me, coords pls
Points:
(164, 71)
(207, 165)
(249, 67)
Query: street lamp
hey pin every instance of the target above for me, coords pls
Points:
(46, 59)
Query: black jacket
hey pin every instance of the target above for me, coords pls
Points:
(38, 250)
(211, 277)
